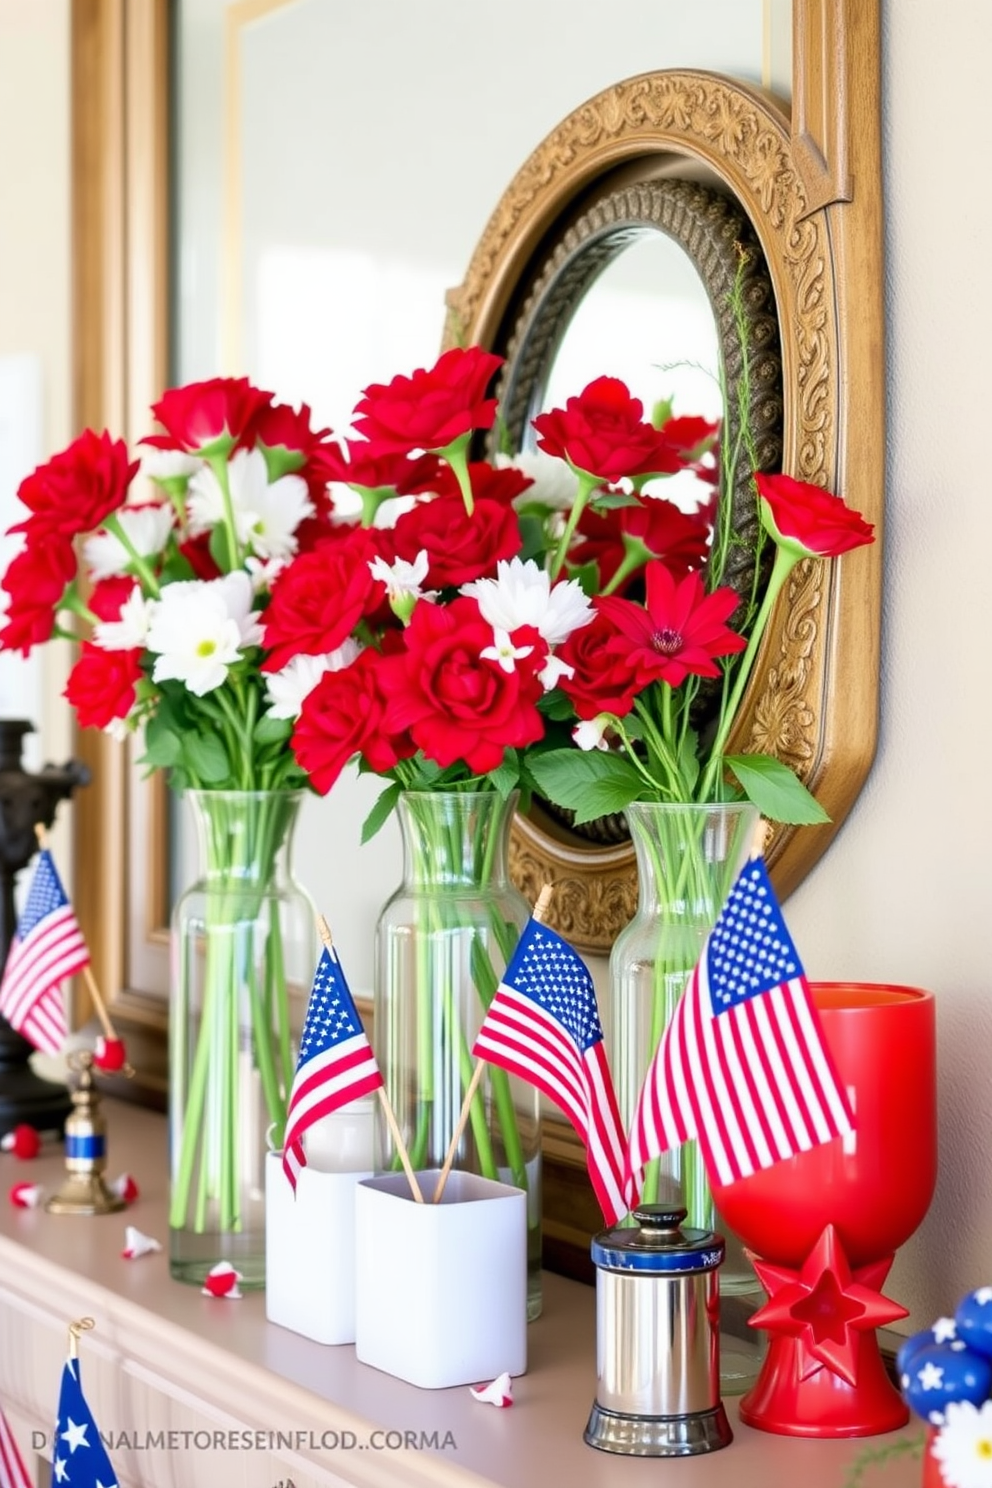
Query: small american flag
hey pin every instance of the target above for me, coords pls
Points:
(13, 1473)
(47, 948)
(543, 1025)
(336, 1063)
(742, 1064)
(79, 1457)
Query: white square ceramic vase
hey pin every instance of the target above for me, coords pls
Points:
(310, 1251)
(441, 1289)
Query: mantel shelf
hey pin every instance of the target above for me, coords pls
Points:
(163, 1357)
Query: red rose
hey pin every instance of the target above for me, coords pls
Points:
(679, 629)
(654, 528)
(209, 417)
(603, 434)
(370, 467)
(278, 426)
(690, 436)
(808, 520)
(459, 547)
(431, 409)
(78, 488)
(458, 706)
(605, 679)
(101, 685)
(343, 716)
(319, 599)
(36, 580)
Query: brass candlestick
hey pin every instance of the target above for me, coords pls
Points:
(84, 1191)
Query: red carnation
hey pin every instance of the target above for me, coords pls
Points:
(432, 408)
(108, 597)
(679, 630)
(196, 551)
(602, 433)
(319, 599)
(808, 520)
(278, 426)
(460, 547)
(210, 417)
(343, 716)
(653, 528)
(78, 489)
(458, 706)
(36, 580)
(373, 468)
(101, 685)
(605, 678)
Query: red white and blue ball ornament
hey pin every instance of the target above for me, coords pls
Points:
(941, 1373)
(974, 1320)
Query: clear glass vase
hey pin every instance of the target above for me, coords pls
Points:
(243, 937)
(688, 856)
(442, 942)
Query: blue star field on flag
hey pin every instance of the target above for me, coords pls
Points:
(79, 1458)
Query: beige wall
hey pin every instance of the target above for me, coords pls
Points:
(905, 892)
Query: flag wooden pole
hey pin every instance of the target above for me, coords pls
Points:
(539, 911)
(81, 1325)
(325, 934)
(759, 841)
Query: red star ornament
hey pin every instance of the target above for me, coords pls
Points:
(825, 1305)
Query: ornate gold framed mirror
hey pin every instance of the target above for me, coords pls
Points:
(801, 182)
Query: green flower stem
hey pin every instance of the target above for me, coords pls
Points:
(456, 455)
(218, 464)
(139, 564)
(587, 485)
(783, 566)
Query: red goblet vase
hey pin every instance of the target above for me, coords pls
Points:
(823, 1227)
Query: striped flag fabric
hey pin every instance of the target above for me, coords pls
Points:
(13, 1473)
(47, 948)
(742, 1065)
(543, 1025)
(336, 1064)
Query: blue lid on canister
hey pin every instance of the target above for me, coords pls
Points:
(656, 1244)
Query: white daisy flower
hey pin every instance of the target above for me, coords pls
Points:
(588, 734)
(130, 630)
(522, 594)
(504, 651)
(264, 575)
(963, 1446)
(163, 465)
(266, 515)
(147, 529)
(555, 483)
(287, 689)
(199, 628)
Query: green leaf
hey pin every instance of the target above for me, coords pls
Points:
(269, 730)
(611, 500)
(206, 757)
(506, 775)
(556, 705)
(163, 747)
(775, 790)
(689, 761)
(532, 536)
(380, 811)
(591, 785)
(587, 578)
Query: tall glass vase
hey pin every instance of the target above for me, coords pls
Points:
(243, 938)
(442, 942)
(688, 856)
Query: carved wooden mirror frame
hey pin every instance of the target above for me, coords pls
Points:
(808, 178)
(809, 181)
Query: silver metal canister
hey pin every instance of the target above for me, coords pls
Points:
(657, 1338)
